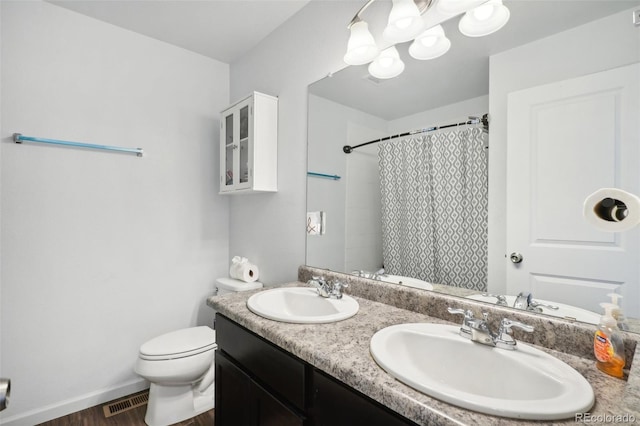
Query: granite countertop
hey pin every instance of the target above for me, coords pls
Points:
(341, 349)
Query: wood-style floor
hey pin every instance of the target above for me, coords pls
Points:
(134, 417)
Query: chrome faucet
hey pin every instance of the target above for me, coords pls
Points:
(525, 301)
(502, 300)
(328, 289)
(370, 275)
(477, 330)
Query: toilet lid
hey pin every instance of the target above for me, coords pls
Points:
(180, 343)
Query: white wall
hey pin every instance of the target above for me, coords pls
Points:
(101, 251)
(448, 114)
(597, 46)
(332, 126)
(363, 202)
(270, 228)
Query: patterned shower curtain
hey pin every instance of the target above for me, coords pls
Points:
(434, 207)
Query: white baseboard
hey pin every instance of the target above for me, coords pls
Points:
(62, 408)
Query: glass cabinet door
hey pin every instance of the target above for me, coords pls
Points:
(229, 150)
(244, 145)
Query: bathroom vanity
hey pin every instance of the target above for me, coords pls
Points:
(323, 374)
(258, 383)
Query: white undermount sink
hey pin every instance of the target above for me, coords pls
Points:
(524, 383)
(563, 311)
(301, 305)
(407, 281)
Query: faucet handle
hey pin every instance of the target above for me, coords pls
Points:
(317, 281)
(337, 288)
(340, 285)
(502, 300)
(467, 313)
(507, 324)
(465, 329)
(535, 304)
(320, 284)
(505, 340)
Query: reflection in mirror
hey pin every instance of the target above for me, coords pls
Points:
(463, 200)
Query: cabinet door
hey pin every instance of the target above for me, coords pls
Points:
(240, 401)
(236, 147)
(232, 394)
(227, 151)
(335, 404)
(245, 144)
(271, 412)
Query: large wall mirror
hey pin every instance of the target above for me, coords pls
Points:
(493, 214)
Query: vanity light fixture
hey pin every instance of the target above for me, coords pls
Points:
(419, 20)
(405, 22)
(362, 48)
(387, 65)
(485, 19)
(430, 44)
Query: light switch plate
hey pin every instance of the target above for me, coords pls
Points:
(636, 17)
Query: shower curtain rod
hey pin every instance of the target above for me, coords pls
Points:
(347, 149)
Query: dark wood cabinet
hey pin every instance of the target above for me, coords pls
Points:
(336, 404)
(241, 401)
(233, 388)
(259, 384)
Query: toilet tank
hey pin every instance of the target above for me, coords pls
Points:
(231, 285)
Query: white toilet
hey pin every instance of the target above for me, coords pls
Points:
(180, 367)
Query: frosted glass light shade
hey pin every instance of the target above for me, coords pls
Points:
(485, 19)
(405, 22)
(361, 47)
(387, 65)
(430, 44)
(455, 7)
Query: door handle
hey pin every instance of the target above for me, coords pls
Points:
(515, 257)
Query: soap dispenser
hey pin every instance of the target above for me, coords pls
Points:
(608, 346)
(617, 311)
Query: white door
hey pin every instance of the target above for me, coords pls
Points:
(565, 141)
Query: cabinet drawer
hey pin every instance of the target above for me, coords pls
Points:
(269, 365)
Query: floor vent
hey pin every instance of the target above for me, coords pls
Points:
(125, 404)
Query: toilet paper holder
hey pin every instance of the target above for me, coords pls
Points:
(612, 210)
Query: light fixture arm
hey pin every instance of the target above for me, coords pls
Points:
(357, 18)
(423, 6)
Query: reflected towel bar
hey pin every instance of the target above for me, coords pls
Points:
(19, 138)
(323, 175)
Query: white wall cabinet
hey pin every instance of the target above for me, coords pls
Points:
(249, 146)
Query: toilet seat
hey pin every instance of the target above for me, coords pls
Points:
(179, 344)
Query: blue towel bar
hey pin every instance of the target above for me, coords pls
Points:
(323, 175)
(19, 138)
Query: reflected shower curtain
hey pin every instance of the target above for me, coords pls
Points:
(434, 207)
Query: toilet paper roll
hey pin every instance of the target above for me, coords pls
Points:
(244, 271)
(612, 210)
